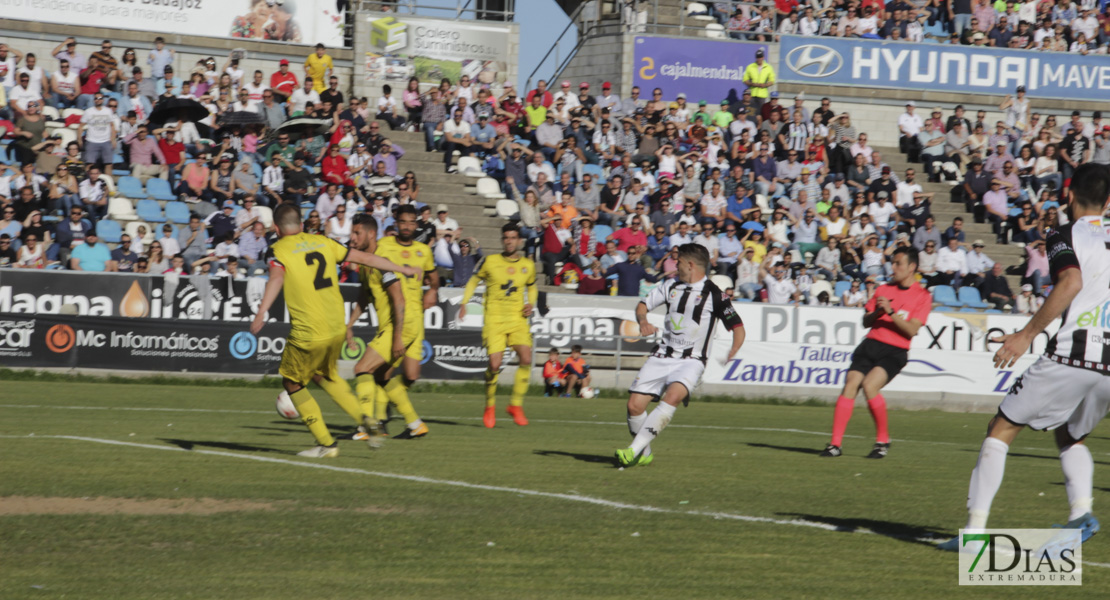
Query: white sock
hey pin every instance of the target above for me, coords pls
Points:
(1079, 474)
(634, 425)
(985, 481)
(652, 426)
(415, 424)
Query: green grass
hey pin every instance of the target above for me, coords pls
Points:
(301, 532)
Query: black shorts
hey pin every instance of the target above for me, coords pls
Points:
(873, 353)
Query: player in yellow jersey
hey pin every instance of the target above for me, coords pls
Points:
(511, 295)
(304, 267)
(403, 249)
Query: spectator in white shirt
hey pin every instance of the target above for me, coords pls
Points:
(780, 289)
(445, 223)
(708, 240)
(909, 125)
(854, 296)
(978, 264)
(1027, 303)
(682, 236)
(951, 264)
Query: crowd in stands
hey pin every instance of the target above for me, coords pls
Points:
(1048, 25)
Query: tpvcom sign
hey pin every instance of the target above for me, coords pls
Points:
(1021, 557)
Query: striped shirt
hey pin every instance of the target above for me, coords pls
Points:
(692, 313)
(1083, 339)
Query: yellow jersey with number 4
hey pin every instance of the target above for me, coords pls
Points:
(311, 286)
(416, 254)
(510, 284)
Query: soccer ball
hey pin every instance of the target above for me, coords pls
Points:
(285, 408)
(587, 392)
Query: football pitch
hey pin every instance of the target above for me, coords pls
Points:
(173, 491)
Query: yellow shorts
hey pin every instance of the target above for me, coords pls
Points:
(496, 336)
(412, 337)
(301, 361)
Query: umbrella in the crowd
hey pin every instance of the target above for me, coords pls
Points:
(295, 128)
(753, 225)
(178, 109)
(241, 117)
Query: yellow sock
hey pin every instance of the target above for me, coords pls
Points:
(312, 417)
(398, 394)
(491, 388)
(340, 392)
(367, 391)
(381, 402)
(520, 386)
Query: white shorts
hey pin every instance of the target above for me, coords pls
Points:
(1050, 394)
(658, 373)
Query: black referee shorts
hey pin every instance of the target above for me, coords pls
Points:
(873, 353)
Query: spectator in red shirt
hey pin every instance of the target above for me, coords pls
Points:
(283, 83)
(552, 374)
(632, 235)
(174, 151)
(90, 84)
(541, 90)
(783, 8)
(334, 169)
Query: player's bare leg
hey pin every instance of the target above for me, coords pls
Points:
(653, 424)
(493, 371)
(520, 384)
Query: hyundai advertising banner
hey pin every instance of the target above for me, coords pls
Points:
(933, 67)
(38, 341)
(702, 69)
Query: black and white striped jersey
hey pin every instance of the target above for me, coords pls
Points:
(693, 311)
(1083, 339)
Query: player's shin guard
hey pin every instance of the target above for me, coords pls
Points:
(635, 424)
(340, 392)
(367, 390)
(1079, 473)
(878, 412)
(985, 481)
(841, 416)
(311, 416)
(520, 386)
(397, 390)
(491, 387)
(652, 427)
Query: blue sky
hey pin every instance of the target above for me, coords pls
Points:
(541, 22)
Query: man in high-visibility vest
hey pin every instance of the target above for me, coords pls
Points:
(759, 77)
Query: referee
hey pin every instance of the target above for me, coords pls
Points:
(894, 315)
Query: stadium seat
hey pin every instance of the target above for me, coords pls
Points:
(698, 11)
(131, 187)
(108, 181)
(946, 296)
(601, 232)
(69, 112)
(761, 202)
(724, 282)
(109, 231)
(1050, 204)
(121, 209)
(67, 135)
(595, 170)
(489, 188)
(820, 285)
(51, 113)
(150, 211)
(266, 215)
(470, 166)
(177, 212)
(257, 170)
(715, 31)
(841, 287)
(159, 189)
(969, 296)
(507, 209)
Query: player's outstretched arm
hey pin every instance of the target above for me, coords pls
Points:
(1014, 345)
(273, 288)
(397, 299)
(381, 264)
(738, 336)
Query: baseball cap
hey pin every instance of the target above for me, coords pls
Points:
(565, 84)
(742, 110)
(977, 244)
(901, 236)
(937, 110)
(774, 94)
(978, 35)
(882, 194)
(1020, 88)
(284, 61)
(583, 86)
(724, 102)
(911, 103)
(441, 208)
(681, 95)
(606, 85)
(1027, 287)
(229, 204)
(702, 103)
(759, 53)
(1106, 127)
(886, 169)
(838, 177)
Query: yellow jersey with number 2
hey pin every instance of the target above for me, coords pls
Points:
(311, 286)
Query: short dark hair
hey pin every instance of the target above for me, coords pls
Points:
(696, 253)
(910, 252)
(406, 209)
(576, 348)
(1091, 185)
(507, 227)
(366, 221)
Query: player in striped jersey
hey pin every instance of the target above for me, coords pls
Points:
(1068, 388)
(694, 306)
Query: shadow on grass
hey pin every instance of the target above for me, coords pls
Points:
(903, 532)
(190, 444)
(446, 422)
(797, 449)
(1040, 456)
(590, 458)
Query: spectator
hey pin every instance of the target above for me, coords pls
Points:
(1027, 303)
(283, 83)
(318, 67)
(978, 263)
(630, 273)
(302, 97)
(192, 240)
(780, 288)
(123, 257)
(144, 149)
(445, 223)
(456, 136)
(91, 255)
(730, 250)
(253, 246)
(759, 77)
(854, 297)
(996, 290)
(951, 264)
(1036, 270)
(927, 264)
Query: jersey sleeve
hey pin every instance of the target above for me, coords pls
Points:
(429, 262)
(388, 278)
(870, 306)
(656, 297)
(338, 251)
(1061, 252)
(922, 307)
(724, 311)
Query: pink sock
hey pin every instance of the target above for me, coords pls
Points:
(841, 416)
(878, 412)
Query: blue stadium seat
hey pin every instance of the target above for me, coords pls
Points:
(970, 297)
(944, 294)
(130, 187)
(159, 189)
(841, 287)
(601, 232)
(594, 170)
(149, 211)
(257, 170)
(178, 212)
(1050, 204)
(109, 231)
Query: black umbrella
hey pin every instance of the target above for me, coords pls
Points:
(295, 128)
(241, 117)
(178, 109)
